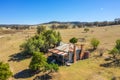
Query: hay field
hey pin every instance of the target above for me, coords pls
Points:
(82, 70)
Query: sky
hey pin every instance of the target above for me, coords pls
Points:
(41, 11)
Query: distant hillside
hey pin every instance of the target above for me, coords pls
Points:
(72, 24)
(57, 22)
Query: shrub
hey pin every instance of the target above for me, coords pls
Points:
(114, 52)
(95, 42)
(86, 29)
(118, 45)
(73, 40)
(5, 72)
(41, 29)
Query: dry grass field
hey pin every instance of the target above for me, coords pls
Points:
(82, 70)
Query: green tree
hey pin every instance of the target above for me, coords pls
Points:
(28, 47)
(41, 29)
(52, 37)
(41, 42)
(38, 62)
(118, 45)
(47, 35)
(73, 40)
(51, 68)
(59, 38)
(95, 42)
(5, 72)
(86, 29)
(114, 52)
(33, 44)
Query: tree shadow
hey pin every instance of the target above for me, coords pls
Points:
(108, 64)
(18, 57)
(115, 78)
(111, 64)
(43, 77)
(24, 74)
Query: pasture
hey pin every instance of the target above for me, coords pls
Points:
(82, 70)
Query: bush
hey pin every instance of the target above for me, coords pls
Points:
(51, 67)
(86, 29)
(118, 45)
(95, 42)
(5, 72)
(73, 40)
(114, 52)
(41, 29)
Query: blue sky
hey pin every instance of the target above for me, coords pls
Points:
(40, 11)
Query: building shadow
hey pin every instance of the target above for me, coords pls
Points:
(18, 57)
(43, 77)
(24, 74)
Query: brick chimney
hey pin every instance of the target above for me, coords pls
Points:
(74, 53)
(82, 51)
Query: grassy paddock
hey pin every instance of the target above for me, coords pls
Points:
(82, 70)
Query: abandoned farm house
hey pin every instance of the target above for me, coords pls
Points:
(69, 53)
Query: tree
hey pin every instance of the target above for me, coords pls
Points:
(59, 38)
(38, 62)
(63, 26)
(41, 42)
(51, 68)
(118, 45)
(95, 23)
(114, 52)
(95, 42)
(86, 29)
(48, 35)
(73, 40)
(33, 44)
(53, 27)
(5, 72)
(79, 25)
(52, 37)
(41, 29)
(28, 47)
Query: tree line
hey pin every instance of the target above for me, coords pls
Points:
(66, 25)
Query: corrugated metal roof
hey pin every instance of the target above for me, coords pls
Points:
(63, 49)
